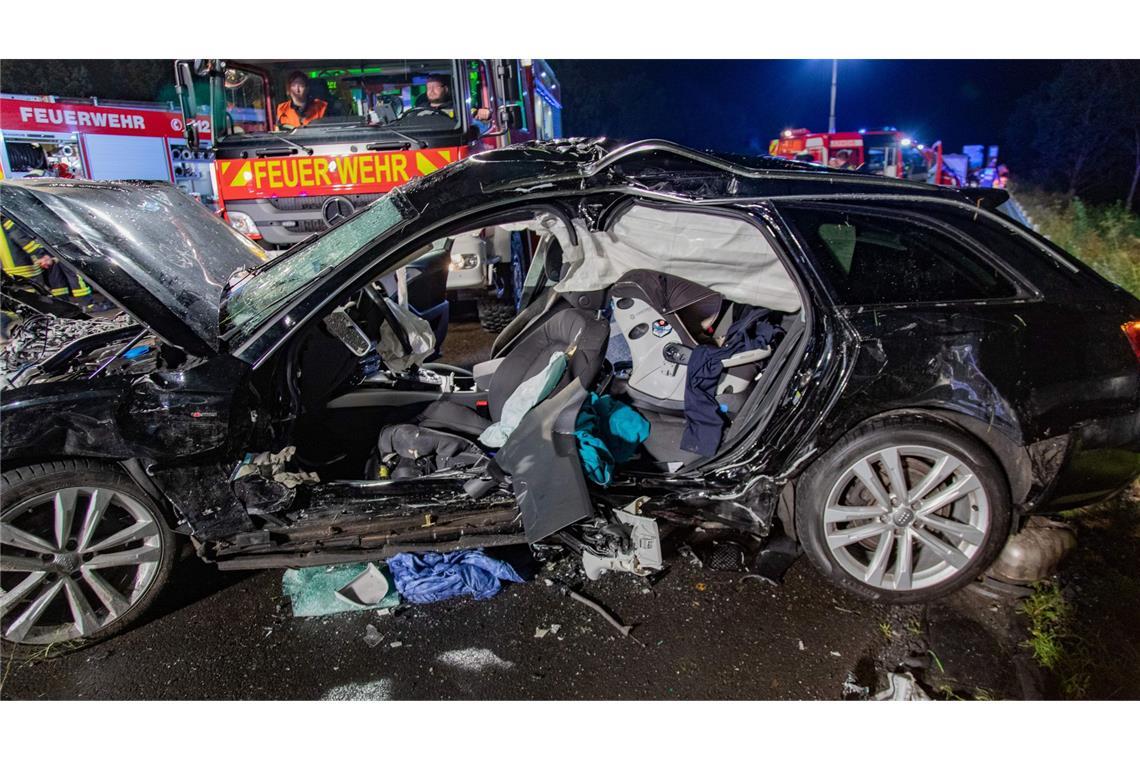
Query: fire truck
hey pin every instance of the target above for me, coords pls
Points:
(887, 152)
(100, 139)
(377, 129)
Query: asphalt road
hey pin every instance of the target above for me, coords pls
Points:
(700, 634)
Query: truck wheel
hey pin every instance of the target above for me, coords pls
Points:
(495, 315)
(903, 511)
(85, 553)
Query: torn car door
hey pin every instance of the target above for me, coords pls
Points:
(541, 456)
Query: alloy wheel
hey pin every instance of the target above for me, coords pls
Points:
(905, 518)
(72, 562)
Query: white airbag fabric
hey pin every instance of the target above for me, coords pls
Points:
(726, 254)
(416, 329)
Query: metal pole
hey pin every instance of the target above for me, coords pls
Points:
(834, 78)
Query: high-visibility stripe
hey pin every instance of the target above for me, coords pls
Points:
(9, 224)
(32, 245)
(9, 262)
(424, 165)
(59, 291)
(82, 288)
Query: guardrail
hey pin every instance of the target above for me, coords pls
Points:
(1019, 213)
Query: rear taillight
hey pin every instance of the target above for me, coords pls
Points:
(1132, 330)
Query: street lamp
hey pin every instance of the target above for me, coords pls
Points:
(834, 80)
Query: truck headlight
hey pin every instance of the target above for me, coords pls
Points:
(243, 224)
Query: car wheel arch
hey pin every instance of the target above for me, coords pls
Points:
(1013, 458)
(132, 468)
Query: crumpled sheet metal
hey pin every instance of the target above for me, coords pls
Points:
(901, 687)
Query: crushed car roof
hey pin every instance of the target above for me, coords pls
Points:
(669, 169)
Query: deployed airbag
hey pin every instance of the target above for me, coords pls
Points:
(726, 254)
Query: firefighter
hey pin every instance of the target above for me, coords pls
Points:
(17, 252)
(25, 257)
(438, 97)
(299, 110)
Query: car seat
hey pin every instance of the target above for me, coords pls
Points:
(443, 420)
(663, 317)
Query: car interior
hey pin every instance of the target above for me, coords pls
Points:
(372, 394)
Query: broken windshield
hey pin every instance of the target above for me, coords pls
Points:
(257, 297)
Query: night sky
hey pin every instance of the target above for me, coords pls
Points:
(741, 105)
(732, 105)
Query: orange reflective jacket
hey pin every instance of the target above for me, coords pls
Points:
(287, 115)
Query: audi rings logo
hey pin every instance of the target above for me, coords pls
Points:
(336, 210)
(176, 125)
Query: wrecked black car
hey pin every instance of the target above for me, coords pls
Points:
(890, 375)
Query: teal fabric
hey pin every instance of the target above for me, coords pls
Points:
(608, 433)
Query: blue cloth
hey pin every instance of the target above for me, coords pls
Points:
(431, 576)
(703, 420)
(608, 433)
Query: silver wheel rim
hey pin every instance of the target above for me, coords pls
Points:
(906, 518)
(72, 562)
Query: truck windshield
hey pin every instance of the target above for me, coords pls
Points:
(406, 95)
(253, 300)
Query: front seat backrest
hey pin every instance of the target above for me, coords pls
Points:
(578, 328)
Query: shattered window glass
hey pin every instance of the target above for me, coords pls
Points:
(257, 298)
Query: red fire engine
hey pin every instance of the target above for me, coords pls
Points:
(94, 139)
(888, 152)
(363, 128)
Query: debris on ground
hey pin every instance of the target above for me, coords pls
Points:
(432, 577)
(624, 630)
(331, 589)
(372, 637)
(852, 690)
(687, 552)
(367, 589)
(773, 560)
(901, 687)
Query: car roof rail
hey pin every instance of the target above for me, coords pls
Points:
(718, 161)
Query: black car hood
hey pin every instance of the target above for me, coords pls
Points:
(150, 248)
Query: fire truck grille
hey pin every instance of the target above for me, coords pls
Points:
(311, 225)
(315, 202)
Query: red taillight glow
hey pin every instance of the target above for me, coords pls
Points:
(1132, 330)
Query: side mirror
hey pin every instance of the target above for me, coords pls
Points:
(510, 115)
(184, 85)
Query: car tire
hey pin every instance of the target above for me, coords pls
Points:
(85, 553)
(495, 315)
(886, 546)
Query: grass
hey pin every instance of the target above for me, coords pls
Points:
(1055, 641)
(1106, 237)
(1081, 627)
